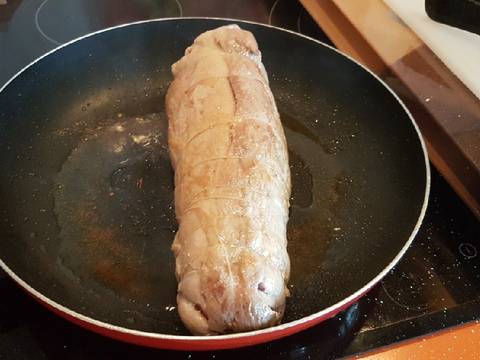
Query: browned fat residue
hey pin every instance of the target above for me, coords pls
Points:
(336, 188)
(119, 267)
(338, 191)
(307, 242)
(294, 233)
(86, 215)
(111, 263)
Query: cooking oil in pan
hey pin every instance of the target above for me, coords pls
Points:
(115, 210)
(319, 189)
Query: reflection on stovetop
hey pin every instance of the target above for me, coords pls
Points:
(34, 27)
(436, 285)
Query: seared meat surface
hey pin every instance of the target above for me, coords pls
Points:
(232, 186)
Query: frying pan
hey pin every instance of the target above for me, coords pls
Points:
(86, 214)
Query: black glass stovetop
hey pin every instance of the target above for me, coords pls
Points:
(435, 286)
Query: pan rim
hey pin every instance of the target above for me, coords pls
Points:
(271, 330)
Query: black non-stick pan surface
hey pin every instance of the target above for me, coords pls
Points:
(86, 212)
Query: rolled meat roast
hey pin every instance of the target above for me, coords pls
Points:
(232, 186)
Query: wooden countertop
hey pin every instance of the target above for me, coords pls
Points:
(446, 111)
(462, 342)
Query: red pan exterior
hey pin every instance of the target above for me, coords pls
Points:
(205, 343)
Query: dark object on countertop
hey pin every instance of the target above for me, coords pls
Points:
(463, 14)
